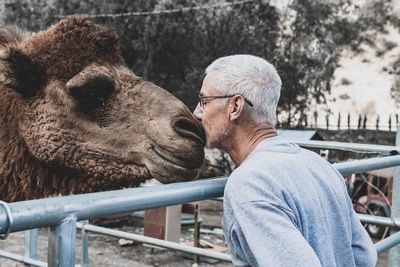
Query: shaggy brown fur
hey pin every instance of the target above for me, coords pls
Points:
(73, 119)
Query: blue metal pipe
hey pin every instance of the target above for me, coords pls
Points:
(85, 245)
(355, 147)
(357, 166)
(388, 243)
(157, 242)
(385, 221)
(23, 259)
(31, 240)
(51, 211)
(62, 244)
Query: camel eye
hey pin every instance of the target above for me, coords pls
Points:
(92, 94)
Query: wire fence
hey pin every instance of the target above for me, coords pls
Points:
(341, 121)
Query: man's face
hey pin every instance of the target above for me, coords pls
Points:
(213, 113)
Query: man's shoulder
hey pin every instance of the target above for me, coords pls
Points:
(263, 167)
(252, 183)
(283, 154)
(270, 173)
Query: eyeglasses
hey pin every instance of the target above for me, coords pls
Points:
(203, 100)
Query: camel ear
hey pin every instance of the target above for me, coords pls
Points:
(19, 72)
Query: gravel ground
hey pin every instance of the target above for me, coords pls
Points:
(105, 251)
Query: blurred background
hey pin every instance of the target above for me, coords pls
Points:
(339, 60)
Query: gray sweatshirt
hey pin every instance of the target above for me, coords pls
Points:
(286, 206)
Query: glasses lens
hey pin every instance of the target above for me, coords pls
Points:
(200, 101)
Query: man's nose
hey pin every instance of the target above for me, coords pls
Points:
(198, 112)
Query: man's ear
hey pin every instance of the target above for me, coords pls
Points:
(19, 72)
(236, 107)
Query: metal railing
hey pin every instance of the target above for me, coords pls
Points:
(62, 213)
(354, 147)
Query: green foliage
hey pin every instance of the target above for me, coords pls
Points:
(303, 41)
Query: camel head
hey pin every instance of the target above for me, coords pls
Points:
(83, 119)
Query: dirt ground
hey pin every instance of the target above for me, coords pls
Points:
(106, 251)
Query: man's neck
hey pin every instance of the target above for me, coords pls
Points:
(245, 140)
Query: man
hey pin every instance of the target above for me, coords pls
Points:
(283, 205)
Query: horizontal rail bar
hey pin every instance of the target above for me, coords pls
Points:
(379, 220)
(51, 211)
(155, 242)
(388, 243)
(16, 257)
(357, 166)
(356, 147)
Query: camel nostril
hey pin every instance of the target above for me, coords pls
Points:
(188, 128)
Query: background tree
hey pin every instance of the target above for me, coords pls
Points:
(303, 40)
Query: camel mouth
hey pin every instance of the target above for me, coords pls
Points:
(165, 156)
(170, 169)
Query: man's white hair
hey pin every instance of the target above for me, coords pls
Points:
(252, 77)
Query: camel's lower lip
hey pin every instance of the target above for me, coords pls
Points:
(170, 160)
(168, 170)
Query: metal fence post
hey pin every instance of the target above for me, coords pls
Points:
(31, 244)
(85, 245)
(394, 253)
(62, 243)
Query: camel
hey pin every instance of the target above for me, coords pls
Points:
(74, 119)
